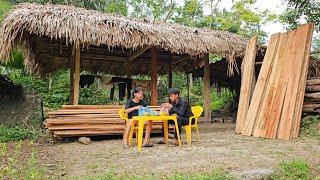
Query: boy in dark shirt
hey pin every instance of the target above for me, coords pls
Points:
(180, 107)
(132, 108)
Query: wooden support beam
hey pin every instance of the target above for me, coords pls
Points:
(76, 77)
(154, 91)
(129, 86)
(138, 53)
(188, 86)
(170, 75)
(207, 90)
(71, 77)
(181, 59)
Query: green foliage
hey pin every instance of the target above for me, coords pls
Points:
(5, 6)
(220, 101)
(111, 6)
(59, 91)
(295, 169)
(301, 9)
(311, 126)
(157, 10)
(93, 95)
(190, 14)
(15, 133)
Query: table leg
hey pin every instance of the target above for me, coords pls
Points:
(140, 134)
(177, 131)
(165, 131)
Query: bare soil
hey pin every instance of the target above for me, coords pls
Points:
(218, 147)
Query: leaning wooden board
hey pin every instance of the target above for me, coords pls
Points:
(247, 79)
(277, 102)
(255, 103)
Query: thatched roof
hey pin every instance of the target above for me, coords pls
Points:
(47, 33)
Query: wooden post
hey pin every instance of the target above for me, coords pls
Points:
(76, 76)
(207, 90)
(170, 75)
(188, 87)
(154, 93)
(129, 86)
(71, 76)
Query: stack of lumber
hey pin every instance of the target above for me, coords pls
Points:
(311, 104)
(89, 120)
(276, 104)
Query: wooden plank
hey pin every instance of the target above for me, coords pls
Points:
(315, 95)
(303, 79)
(68, 133)
(313, 88)
(76, 77)
(92, 106)
(254, 106)
(154, 79)
(83, 121)
(246, 83)
(91, 116)
(85, 111)
(287, 116)
(272, 116)
(101, 127)
(270, 88)
(207, 90)
(315, 81)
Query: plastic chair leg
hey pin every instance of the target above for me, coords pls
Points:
(197, 128)
(188, 134)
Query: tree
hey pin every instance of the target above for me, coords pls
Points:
(112, 6)
(149, 9)
(5, 6)
(298, 10)
(191, 14)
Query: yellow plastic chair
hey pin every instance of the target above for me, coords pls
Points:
(196, 111)
(134, 129)
(123, 115)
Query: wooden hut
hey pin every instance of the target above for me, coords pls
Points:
(56, 36)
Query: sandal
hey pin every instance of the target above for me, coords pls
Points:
(147, 145)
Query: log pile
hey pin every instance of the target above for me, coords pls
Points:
(311, 104)
(88, 120)
(276, 104)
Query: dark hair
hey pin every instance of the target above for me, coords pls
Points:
(173, 91)
(137, 89)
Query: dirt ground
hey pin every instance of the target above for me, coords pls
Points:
(218, 147)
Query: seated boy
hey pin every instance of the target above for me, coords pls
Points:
(180, 107)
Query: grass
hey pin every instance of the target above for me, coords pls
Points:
(18, 162)
(311, 126)
(218, 174)
(15, 134)
(293, 170)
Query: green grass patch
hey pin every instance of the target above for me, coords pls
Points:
(293, 170)
(311, 126)
(218, 174)
(19, 161)
(15, 134)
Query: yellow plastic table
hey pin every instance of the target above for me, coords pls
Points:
(142, 119)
